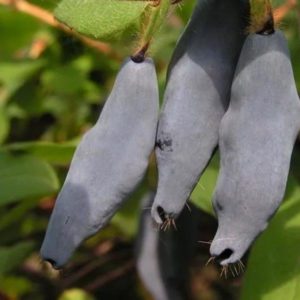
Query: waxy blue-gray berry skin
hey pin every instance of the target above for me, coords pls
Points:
(196, 98)
(147, 254)
(257, 135)
(163, 257)
(109, 162)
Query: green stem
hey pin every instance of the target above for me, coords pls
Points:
(154, 17)
(155, 20)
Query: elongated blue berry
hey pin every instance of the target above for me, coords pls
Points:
(109, 162)
(196, 98)
(257, 135)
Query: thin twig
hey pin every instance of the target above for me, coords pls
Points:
(110, 276)
(48, 18)
(281, 11)
(90, 267)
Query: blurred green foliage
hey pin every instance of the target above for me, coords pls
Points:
(52, 89)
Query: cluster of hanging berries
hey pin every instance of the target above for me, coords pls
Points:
(226, 87)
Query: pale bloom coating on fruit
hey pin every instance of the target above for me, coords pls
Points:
(195, 100)
(109, 162)
(257, 135)
(163, 256)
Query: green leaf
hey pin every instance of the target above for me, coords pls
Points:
(4, 124)
(17, 32)
(126, 219)
(59, 154)
(203, 192)
(13, 215)
(108, 20)
(68, 79)
(273, 271)
(24, 177)
(12, 257)
(14, 74)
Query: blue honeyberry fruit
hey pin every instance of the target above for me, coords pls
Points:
(163, 257)
(109, 162)
(196, 98)
(257, 136)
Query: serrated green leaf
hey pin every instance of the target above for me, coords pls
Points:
(108, 20)
(273, 271)
(12, 257)
(25, 177)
